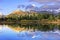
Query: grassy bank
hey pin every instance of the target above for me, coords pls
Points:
(24, 22)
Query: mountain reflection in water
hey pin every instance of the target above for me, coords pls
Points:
(29, 32)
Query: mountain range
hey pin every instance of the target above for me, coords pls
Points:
(20, 12)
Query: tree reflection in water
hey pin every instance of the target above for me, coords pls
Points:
(35, 27)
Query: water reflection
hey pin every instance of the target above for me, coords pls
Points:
(40, 27)
(30, 32)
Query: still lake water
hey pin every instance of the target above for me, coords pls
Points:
(29, 32)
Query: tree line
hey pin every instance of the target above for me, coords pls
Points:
(34, 16)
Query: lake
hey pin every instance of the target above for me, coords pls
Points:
(29, 32)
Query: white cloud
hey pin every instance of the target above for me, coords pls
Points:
(45, 1)
(33, 5)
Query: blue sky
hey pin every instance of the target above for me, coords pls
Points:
(7, 6)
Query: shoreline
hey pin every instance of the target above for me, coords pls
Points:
(32, 22)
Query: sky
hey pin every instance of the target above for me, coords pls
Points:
(8, 6)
